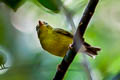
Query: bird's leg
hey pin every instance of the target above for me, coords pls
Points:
(58, 68)
(70, 46)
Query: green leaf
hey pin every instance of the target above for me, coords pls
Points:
(14, 4)
(50, 4)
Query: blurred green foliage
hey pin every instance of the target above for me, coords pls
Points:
(2, 60)
(14, 4)
(28, 61)
(50, 4)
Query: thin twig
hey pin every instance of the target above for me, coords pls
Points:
(68, 15)
(77, 40)
(87, 67)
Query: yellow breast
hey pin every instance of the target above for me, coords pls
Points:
(56, 44)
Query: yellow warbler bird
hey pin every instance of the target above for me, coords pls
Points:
(56, 41)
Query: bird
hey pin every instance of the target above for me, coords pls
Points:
(56, 41)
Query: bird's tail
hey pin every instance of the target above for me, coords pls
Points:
(89, 50)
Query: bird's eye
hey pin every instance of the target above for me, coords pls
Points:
(45, 23)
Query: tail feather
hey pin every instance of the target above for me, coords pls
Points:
(91, 51)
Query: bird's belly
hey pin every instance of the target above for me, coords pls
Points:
(56, 47)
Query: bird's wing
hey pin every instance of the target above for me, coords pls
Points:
(91, 51)
(63, 32)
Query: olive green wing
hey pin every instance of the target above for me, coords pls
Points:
(63, 32)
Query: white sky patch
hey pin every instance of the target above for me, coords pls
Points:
(67, 2)
(24, 19)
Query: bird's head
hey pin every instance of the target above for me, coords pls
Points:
(43, 27)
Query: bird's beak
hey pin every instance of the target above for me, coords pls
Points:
(39, 25)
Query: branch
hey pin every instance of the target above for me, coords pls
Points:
(78, 41)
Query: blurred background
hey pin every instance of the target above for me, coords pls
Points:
(24, 57)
